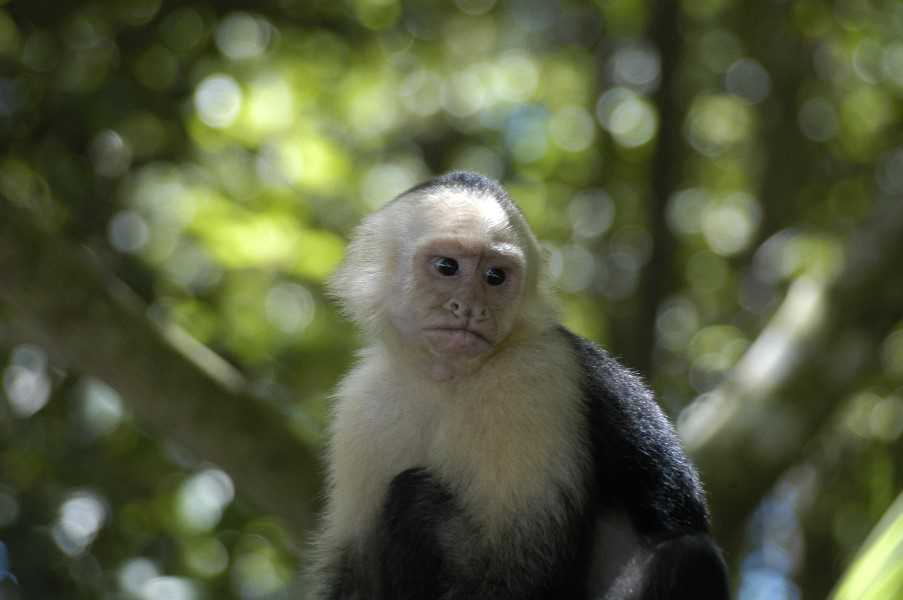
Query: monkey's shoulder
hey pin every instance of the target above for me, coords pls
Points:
(602, 376)
(618, 402)
(638, 460)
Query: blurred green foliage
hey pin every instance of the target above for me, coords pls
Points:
(215, 155)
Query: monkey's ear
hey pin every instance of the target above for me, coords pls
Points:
(364, 278)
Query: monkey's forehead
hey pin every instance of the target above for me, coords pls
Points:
(463, 211)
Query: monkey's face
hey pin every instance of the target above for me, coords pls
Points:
(463, 280)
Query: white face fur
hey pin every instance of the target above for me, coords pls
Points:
(445, 272)
(463, 282)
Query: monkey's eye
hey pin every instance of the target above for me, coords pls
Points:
(495, 276)
(446, 266)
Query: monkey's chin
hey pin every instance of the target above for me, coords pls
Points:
(456, 342)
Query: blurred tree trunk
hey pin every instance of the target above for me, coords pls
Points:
(780, 182)
(52, 294)
(656, 281)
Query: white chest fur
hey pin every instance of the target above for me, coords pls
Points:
(506, 440)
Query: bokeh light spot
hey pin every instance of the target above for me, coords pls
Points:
(676, 322)
(516, 77)
(79, 521)
(258, 569)
(716, 123)
(636, 65)
(111, 154)
(420, 92)
(242, 36)
(629, 117)
(572, 128)
(169, 588)
(685, 209)
(818, 120)
(578, 268)
(748, 79)
(207, 556)
(892, 64)
(728, 224)
(100, 407)
(525, 134)
(383, 182)
(271, 105)
(133, 574)
(591, 213)
(203, 498)
(128, 231)
(218, 100)
(290, 307)
(26, 381)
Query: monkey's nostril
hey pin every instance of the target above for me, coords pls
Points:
(454, 306)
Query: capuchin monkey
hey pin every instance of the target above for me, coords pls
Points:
(481, 451)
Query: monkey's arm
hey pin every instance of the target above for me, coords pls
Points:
(641, 468)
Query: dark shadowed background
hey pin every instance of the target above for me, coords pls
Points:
(718, 183)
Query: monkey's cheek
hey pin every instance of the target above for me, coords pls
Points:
(456, 342)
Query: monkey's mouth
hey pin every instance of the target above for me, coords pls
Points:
(457, 340)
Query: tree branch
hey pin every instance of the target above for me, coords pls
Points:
(53, 294)
(808, 359)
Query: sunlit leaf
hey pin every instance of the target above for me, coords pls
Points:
(877, 572)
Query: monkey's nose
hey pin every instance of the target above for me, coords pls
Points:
(464, 310)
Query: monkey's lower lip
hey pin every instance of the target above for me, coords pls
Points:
(457, 341)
